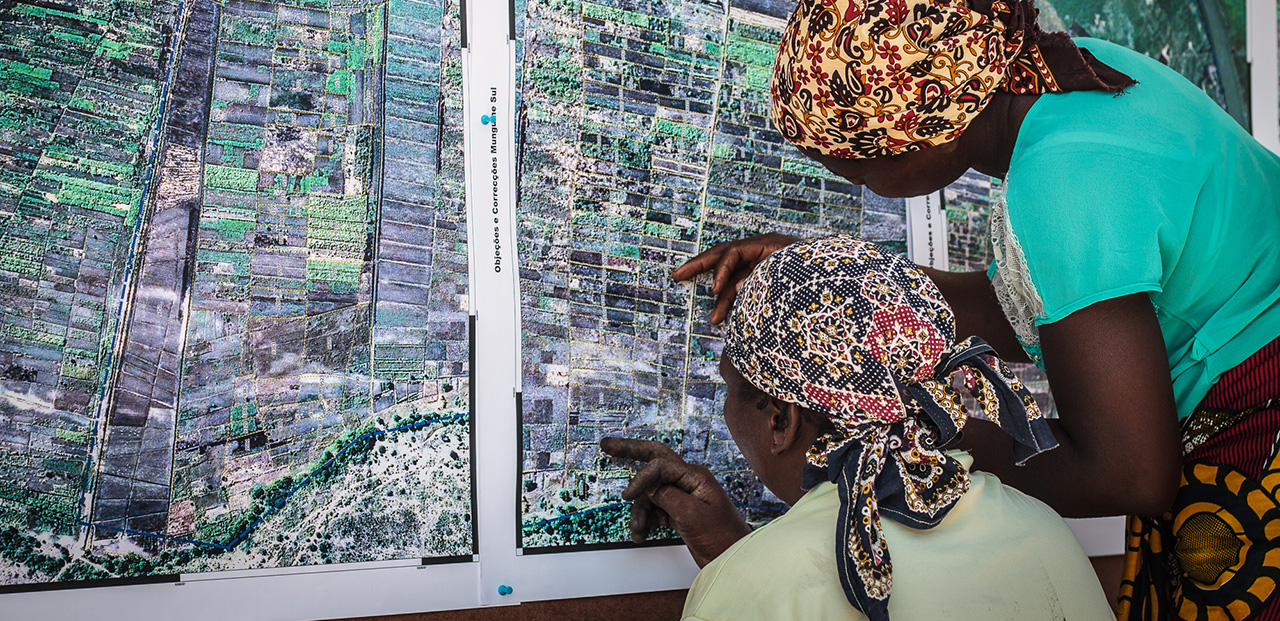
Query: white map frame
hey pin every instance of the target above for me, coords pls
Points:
(1261, 19)
(405, 586)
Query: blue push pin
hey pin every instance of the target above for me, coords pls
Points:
(504, 589)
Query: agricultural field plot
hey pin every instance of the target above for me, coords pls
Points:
(263, 354)
(645, 138)
(84, 87)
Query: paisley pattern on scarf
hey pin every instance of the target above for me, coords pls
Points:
(861, 335)
(870, 78)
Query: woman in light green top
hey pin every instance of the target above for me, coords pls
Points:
(1136, 262)
(840, 363)
(999, 554)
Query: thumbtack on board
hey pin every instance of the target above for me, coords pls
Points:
(504, 589)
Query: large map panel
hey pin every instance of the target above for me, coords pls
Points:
(644, 139)
(235, 328)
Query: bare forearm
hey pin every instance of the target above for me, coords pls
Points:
(977, 310)
(1073, 480)
(1118, 425)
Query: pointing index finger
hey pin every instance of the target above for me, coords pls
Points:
(704, 262)
(731, 262)
(631, 448)
(667, 471)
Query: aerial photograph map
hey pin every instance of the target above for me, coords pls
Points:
(644, 139)
(233, 278)
(665, 149)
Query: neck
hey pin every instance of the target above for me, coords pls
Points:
(791, 489)
(994, 133)
(786, 476)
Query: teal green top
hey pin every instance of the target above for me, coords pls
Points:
(1156, 190)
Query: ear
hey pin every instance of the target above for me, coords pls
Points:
(786, 425)
(947, 148)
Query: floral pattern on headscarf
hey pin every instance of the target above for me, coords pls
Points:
(870, 78)
(857, 333)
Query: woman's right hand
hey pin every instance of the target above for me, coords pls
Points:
(671, 492)
(732, 262)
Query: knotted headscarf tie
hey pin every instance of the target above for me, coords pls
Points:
(870, 78)
(859, 334)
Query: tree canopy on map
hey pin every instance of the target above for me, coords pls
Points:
(233, 275)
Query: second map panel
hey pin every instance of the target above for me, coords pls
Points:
(645, 139)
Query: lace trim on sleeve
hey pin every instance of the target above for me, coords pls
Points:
(1016, 292)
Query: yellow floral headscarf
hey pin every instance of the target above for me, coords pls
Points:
(869, 78)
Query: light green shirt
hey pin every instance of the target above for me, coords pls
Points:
(998, 554)
(1159, 191)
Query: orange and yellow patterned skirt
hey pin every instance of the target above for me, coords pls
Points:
(1216, 554)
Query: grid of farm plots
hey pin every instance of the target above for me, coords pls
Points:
(328, 330)
(645, 138)
(291, 384)
(84, 85)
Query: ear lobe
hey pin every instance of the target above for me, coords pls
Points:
(947, 148)
(786, 423)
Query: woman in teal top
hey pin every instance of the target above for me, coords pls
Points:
(1137, 249)
(1157, 191)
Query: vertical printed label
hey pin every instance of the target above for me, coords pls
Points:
(927, 231)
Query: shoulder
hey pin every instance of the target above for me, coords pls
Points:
(999, 554)
(1096, 177)
(983, 561)
(791, 558)
(1161, 95)
(1162, 123)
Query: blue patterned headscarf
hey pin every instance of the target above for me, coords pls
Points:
(859, 334)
